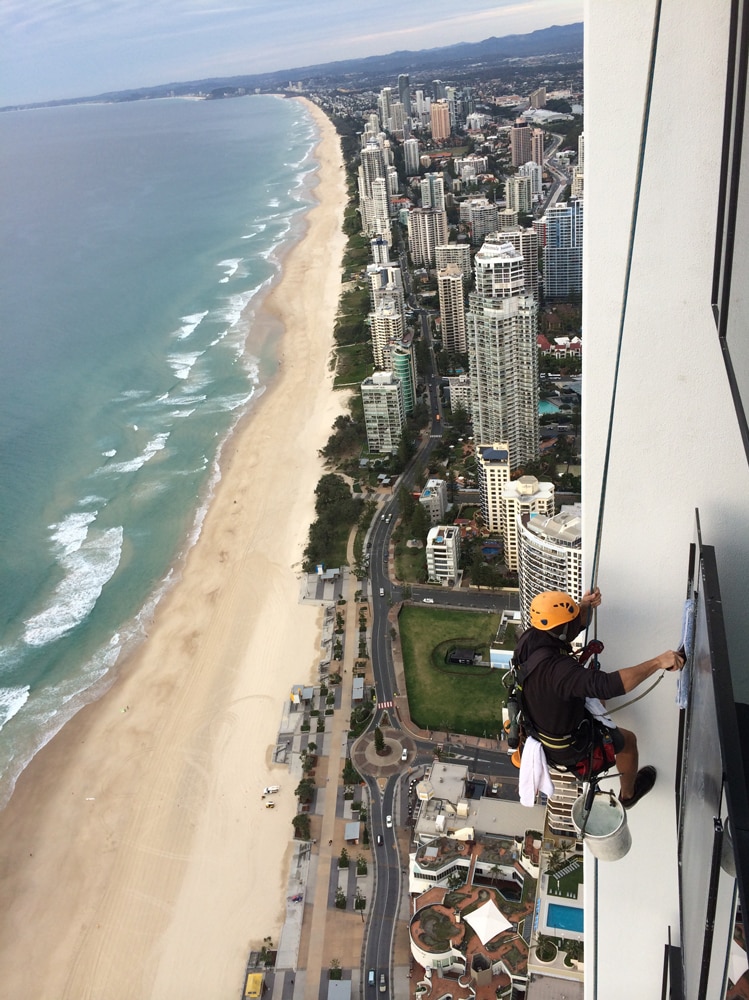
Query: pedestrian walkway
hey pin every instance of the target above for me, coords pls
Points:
(331, 934)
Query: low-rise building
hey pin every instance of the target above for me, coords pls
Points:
(443, 554)
(434, 499)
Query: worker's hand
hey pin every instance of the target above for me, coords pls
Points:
(591, 598)
(671, 660)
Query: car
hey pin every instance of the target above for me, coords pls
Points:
(382, 518)
(389, 822)
(379, 840)
(387, 519)
(382, 591)
(383, 983)
(371, 978)
(404, 754)
(427, 600)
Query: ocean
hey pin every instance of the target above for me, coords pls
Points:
(137, 240)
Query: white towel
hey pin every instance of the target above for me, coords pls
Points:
(596, 709)
(534, 773)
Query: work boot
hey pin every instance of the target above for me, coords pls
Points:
(644, 781)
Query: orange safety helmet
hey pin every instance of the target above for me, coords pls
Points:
(552, 608)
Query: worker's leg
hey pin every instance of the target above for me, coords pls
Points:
(626, 764)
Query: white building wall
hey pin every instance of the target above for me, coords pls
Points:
(443, 553)
(525, 495)
(675, 425)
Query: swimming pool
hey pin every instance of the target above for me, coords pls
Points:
(546, 406)
(564, 918)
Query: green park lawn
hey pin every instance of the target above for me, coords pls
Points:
(447, 697)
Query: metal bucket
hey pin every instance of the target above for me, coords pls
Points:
(606, 832)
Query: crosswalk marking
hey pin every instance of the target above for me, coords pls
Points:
(384, 704)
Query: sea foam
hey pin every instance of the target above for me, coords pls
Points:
(154, 446)
(88, 560)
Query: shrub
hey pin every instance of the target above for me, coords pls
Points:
(301, 826)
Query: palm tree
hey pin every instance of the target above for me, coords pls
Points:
(546, 949)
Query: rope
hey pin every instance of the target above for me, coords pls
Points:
(625, 296)
(626, 704)
(609, 436)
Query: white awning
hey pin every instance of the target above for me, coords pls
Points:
(487, 922)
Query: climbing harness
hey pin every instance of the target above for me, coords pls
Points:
(586, 752)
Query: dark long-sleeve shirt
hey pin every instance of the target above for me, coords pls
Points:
(554, 692)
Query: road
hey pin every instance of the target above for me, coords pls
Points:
(395, 799)
(560, 180)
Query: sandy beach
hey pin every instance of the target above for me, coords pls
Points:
(137, 859)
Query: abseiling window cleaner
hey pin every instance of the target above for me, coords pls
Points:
(557, 695)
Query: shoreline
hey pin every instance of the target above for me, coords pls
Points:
(264, 343)
(136, 838)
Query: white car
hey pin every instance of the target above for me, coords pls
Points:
(389, 822)
(427, 600)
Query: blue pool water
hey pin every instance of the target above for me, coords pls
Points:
(546, 406)
(565, 918)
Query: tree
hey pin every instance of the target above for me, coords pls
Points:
(305, 790)
(406, 504)
(335, 971)
(575, 950)
(266, 952)
(460, 420)
(379, 740)
(350, 775)
(455, 880)
(545, 948)
(420, 523)
(343, 858)
(301, 826)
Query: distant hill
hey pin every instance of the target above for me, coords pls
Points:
(562, 43)
(564, 39)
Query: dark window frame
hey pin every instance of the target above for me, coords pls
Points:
(728, 204)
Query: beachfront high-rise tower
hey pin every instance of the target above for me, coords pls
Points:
(521, 148)
(563, 250)
(520, 497)
(384, 411)
(519, 194)
(440, 115)
(502, 325)
(493, 467)
(404, 92)
(537, 146)
(427, 229)
(411, 156)
(432, 190)
(452, 308)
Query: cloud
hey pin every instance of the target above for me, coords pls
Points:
(67, 48)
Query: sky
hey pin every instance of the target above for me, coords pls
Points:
(57, 49)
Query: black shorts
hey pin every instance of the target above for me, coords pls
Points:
(580, 750)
